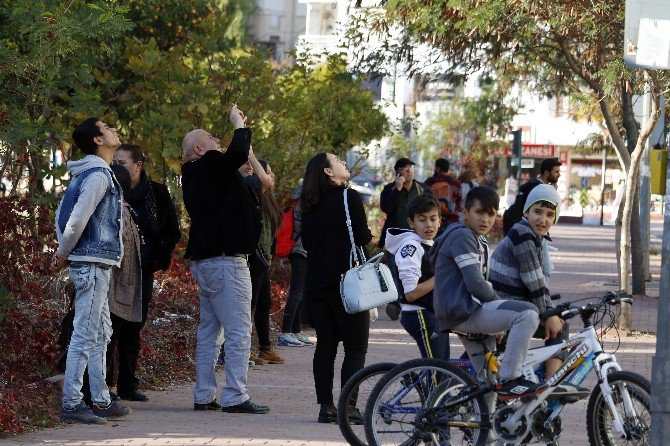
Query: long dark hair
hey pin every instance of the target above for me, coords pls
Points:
(270, 205)
(315, 182)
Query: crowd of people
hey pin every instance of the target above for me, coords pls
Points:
(116, 228)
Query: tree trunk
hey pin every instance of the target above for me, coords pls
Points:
(632, 186)
(617, 238)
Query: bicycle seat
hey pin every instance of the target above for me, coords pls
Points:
(474, 337)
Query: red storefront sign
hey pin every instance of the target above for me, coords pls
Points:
(530, 151)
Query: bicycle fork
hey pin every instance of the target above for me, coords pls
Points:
(603, 365)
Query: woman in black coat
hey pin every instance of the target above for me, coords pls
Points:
(326, 238)
(157, 219)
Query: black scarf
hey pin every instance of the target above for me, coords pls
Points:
(143, 201)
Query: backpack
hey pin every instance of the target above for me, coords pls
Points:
(285, 242)
(445, 195)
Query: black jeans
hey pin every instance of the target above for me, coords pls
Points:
(420, 324)
(294, 302)
(261, 301)
(333, 325)
(126, 341)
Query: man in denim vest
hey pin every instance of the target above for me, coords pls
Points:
(88, 227)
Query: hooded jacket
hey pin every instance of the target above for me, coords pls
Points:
(88, 219)
(412, 263)
(460, 259)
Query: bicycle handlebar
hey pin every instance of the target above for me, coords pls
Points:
(567, 311)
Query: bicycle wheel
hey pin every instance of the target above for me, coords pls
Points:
(636, 422)
(355, 393)
(409, 406)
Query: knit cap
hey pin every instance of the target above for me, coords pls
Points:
(544, 192)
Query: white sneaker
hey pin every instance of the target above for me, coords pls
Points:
(302, 337)
(288, 340)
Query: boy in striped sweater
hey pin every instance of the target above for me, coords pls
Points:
(517, 270)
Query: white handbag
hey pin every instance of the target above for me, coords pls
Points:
(367, 284)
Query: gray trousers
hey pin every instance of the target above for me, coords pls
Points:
(520, 318)
(225, 312)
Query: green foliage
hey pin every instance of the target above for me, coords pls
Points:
(47, 53)
(551, 47)
(158, 69)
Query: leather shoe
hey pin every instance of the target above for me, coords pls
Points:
(328, 414)
(212, 405)
(246, 407)
(133, 395)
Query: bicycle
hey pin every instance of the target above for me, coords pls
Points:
(430, 401)
(356, 392)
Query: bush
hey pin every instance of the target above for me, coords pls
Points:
(33, 302)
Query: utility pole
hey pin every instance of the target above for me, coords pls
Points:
(602, 188)
(660, 366)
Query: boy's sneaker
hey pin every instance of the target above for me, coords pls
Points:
(113, 411)
(289, 340)
(302, 337)
(80, 414)
(518, 388)
(569, 393)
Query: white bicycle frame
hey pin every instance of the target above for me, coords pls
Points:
(586, 354)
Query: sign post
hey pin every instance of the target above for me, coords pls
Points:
(647, 45)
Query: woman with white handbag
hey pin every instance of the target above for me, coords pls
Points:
(325, 235)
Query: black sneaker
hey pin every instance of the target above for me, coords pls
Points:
(212, 405)
(246, 407)
(355, 416)
(518, 388)
(113, 411)
(569, 393)
(328, 414)
(80, 414)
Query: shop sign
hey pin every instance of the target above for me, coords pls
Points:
(529, 151)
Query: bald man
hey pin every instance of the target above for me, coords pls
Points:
(225, 227)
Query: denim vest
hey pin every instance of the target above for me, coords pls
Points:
(101, 238)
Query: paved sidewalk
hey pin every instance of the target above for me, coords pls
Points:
(584, 264)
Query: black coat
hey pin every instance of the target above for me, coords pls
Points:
(157, 218)
(388, 202)
(224, 216)
(326, 238)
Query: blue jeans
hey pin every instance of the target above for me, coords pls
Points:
(225, 312)
(92, 331)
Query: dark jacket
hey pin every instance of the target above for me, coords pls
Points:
(224, 218)
(514, 213)
(388, 201)
(326, 238)
(157, 219)
(461, 285)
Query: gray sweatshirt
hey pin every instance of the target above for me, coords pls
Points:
(459, 257)
(92, 191)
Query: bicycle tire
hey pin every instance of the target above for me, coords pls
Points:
(405, 394)
(598, 412)
(351, 390)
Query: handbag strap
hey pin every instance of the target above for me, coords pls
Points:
(356, 256)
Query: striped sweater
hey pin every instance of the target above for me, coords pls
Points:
(516, 267)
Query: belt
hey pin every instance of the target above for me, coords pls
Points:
(244, 256)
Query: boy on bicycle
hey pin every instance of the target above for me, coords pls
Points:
(520, 270)
(409, 249)
(465, 301)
